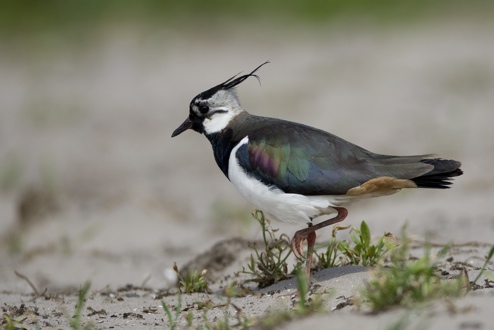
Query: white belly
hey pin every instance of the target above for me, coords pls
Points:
(290, 208)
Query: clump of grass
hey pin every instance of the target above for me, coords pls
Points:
(359, 251)
(193, 282)
(407, 282)
(268, 264)
(363, 252)
(329, 258)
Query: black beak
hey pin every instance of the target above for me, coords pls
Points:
(182, 128)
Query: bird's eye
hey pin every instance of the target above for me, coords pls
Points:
(203, 109)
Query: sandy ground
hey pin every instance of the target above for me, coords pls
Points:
(94, 188)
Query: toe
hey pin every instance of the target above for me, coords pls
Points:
(296, 243)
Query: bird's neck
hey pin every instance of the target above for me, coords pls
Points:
(224, 141)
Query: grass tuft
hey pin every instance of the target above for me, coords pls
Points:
(329, 258)
(363, 252)
(408, 282)
(193, 282)
(268, 264)
(359, 251)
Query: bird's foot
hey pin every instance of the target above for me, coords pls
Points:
(299, 238)
(297, 241)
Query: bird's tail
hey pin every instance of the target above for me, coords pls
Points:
(439, 177)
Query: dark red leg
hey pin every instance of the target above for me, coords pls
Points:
(310, 235)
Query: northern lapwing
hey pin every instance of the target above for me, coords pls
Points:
(296, 173)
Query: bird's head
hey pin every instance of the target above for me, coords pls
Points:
(211, 111)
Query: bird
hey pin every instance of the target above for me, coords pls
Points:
(296, 173)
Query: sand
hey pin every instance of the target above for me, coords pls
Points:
(108, 197)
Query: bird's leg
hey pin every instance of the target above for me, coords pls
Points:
(311, 241)
(310, 235)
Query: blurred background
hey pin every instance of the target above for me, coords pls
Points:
(93, 187)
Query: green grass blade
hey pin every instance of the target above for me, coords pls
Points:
(168, 315)
(489, 257)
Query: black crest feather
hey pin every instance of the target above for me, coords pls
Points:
(231, 82)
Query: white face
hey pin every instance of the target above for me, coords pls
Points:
(223, 106)
(218, 121)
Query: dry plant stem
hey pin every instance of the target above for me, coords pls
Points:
(310, 235)
(24, 277)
